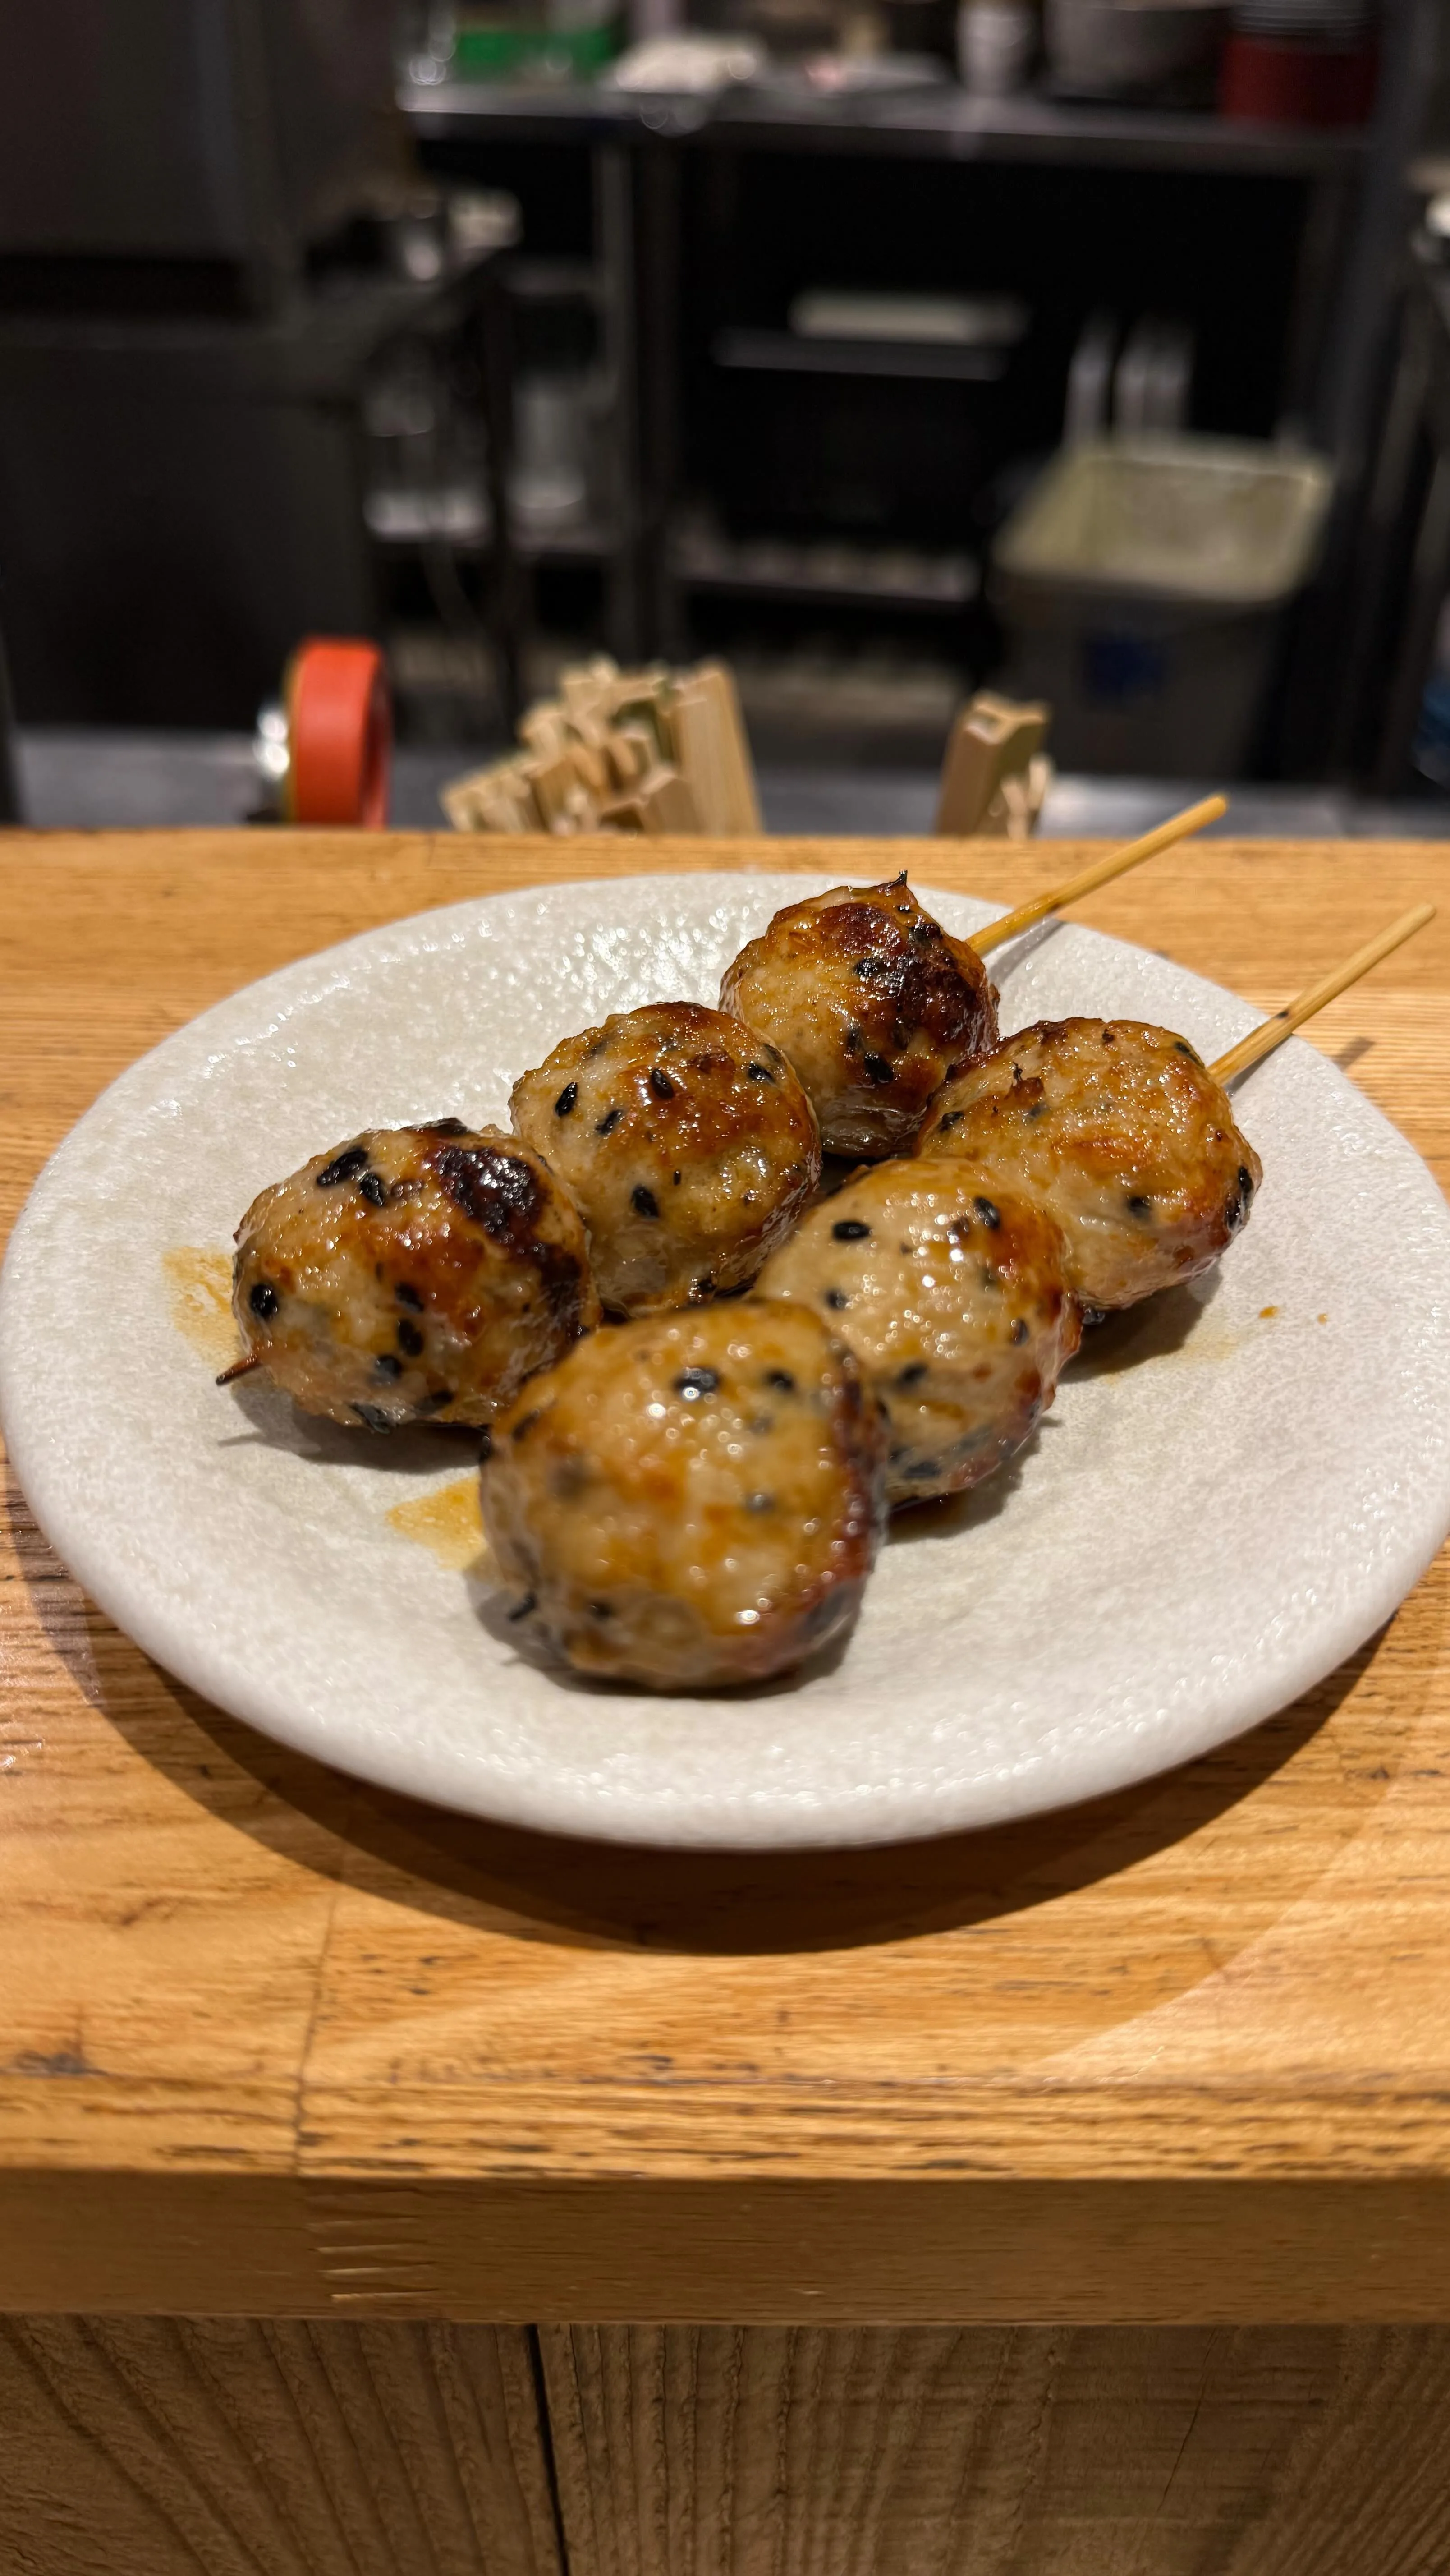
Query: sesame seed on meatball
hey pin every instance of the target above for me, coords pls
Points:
(690, 1500)
(1120, 1130)
(416, 1274)
(872, 1002)
(951, 1295)
(687, 1144)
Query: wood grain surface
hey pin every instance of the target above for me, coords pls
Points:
(1015, 2451)
(160, 2447)
(152, 2447)
(273, 2043)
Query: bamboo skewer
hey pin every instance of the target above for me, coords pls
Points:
(1272, 1032)
(1102, 872)
(240, 1368)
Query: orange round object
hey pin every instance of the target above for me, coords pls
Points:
(339, 731)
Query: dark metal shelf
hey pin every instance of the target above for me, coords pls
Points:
(536, 279)
(704, 559)
(582, 545)
(585, 544)
(791, 353)
(937, 123)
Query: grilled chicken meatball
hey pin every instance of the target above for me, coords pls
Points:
(418, 1274)
(687, 1144)
(951, 1295)
(872, 1002)
(691, 1499)
(1122, 1133)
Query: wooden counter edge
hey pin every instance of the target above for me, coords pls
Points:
(769, 2252)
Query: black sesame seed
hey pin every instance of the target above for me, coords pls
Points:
(1019, 1331)
(1139, 1204)
(601, 1609)
(343, 1167)
(521, 1429)
(991, 1216)
(264, 1300)
(408, 1296)
(836, 1299)
(676, 1179)
(522, 1608)
(950, 1118)
(373, 1186)
(924, 932)
(660, 1084)
(876, 1069)
(760, 1073)
(912, 1374)
(850, 1230)
(695, 1382)
(918, 1472)
(566, 1099)
(702, 1287)
(760, 1502)
(643, 1201)
(1110, 1037)
(441, 1127)
(387, 1365)
(410, 1340)
(606, 1125)
(485, 1440)
(781, 1380)
(434, 1403)
(374, 1417)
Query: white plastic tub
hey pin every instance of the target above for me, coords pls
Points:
(1143, 583)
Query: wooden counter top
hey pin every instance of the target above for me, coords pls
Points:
(273, 2042)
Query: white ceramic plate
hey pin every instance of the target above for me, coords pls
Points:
(1231, 1495)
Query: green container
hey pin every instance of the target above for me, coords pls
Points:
(503, 49)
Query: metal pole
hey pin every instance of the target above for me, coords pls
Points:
(615, 251)
(10, 806)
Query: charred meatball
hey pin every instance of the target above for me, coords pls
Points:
(693, 1499)
(1122, 1133)
(872, 1001)
(687, 1143)
(417, 1274)
(952, 1296)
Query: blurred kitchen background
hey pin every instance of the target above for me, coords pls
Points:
(1096, 350)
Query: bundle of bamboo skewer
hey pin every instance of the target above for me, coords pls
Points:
(650, 751)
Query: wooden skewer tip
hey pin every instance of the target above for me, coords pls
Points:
(1271, 1033)
(240, 1368)
(1164, 836)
